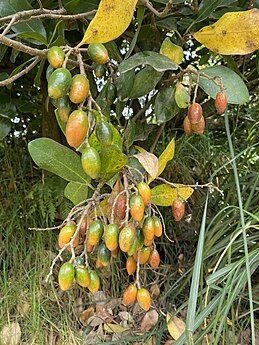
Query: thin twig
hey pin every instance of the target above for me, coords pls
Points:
(126, 185)
(22, 47)
(159, 132)
(162, 14)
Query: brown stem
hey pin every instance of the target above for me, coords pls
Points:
(22, 47)
(126, 185)
(162, 14)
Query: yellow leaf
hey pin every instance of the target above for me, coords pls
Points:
(110, 21)
(164, 158)
(149, 162)
(139, 148)
(171, 50)
(164, 195)
(175, 326)
(113, 328)
(233, 33)
(181, 96)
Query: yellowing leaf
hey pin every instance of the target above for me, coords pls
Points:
(175, 326)
(172, 51)
(181, 96)
(164, 195)
(164, 158)
(139, 148)
(113, 328)
(110, 21)
(149, 162)
(233, 33)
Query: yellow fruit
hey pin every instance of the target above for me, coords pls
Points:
(129, 295)
(143, 299)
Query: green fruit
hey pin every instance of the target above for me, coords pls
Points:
(104, 133)
(98, 53)
(95, 232)
(141, 238)
(94, 282)
(110, 93)
(133, 247)
(126, 239)
(99, 70)
(49, 71)
(104, 254)
(63, 108)
(91, 162)
(76, 128)
(59, 83)
(82, 276)
(56, 56)
(111, 236)
(66, 276)
(79, 89)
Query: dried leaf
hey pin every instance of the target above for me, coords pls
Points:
(175, 326)
(113, 328)
(164, 195)
(149, 320)
(110, 21)
(86, 314)
(10, 334)
(149, 162)
(118, 187)
(103, 313)
(233, 33)
(155, 290)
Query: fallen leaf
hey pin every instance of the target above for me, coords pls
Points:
(86, 314)
(110, 21)
(99, 297)
(149, 320)
(113, 328)
(175, 326)
(126, 318)
(10, 334)
(233, 33)
(149, 162)
(101, 311)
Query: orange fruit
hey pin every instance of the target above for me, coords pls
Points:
(154, 259)
(149, 229)
(199, 127)
(66, 276)
(221, 102)
(76, 128)
(178, 210)
(111, 236)
(137, 207)
(83, 226)
(144, 255)
(187, 126)
(79, 89)
(65, 235)
(114, 253)
(56, 56)
(144, 192)
(194, 113)
(131, 265)
(158, 226)
(129, 295)
(143, 299)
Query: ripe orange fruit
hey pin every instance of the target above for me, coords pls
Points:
(178, 210)
(143, 299)
(221, 102)
(76, 128)
(82, 276)
(79, 88)
(144, 192)
(129, 295)
(89, 247)
(126, 238)
(114, 253)
(158, 226)
(66, 276)
(137, 207)
(187, 126)
(154, 259)
(149, 229)
(120, 207)
(131, 265)
(199, 127)
(65, 235)
(94, 282)
(194, 113)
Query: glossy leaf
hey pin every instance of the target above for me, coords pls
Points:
(149, 162)
(158, 61)
(58, 159)
(145, 81)
(233, 33)
(76, 192)
(206, 7)
(235, 88)
(124, 84)
(5, 126)
(111, 20)
(112, 161)
(165, 105)
(164, 195)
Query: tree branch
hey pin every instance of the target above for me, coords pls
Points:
(162, 14)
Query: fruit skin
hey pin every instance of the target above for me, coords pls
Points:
(59, 83)
(98, 53)
(154, 259)
(158, 226)
(65, 235)
(104, 254)
(143, 299)
(143, 256)
(131, 265)
(91, 162)
(79, 89)
(129, 295)
(194, 113)
(111, 236)
(63, 108)
(66, 276)
(82, 276)
(221, 102)
(94, 282)
(126, 239)
(178, 210)
(144, 192)
(199, 127)
(99, 70)
(76, 128)
(104, 133)
(187, 126)
(120, 207)
(137, 207)
(95, 232)
(49, 71)
(83, 226)
(149, 229)
(134, 247)
(56, 56)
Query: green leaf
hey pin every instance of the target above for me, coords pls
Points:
(58, 159)
(61, 124)
(34, 36)
(113, 51)
(140, 17)
(5, 126)
(158, 61)
(235, 88)
(8, 7)
(145, 81)
(17, 70)
(76, 192)
(94, 142)
(130, 133)
(164, 195)
(165, 105)
(112, 161)
(124, 84)
(206, 7)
